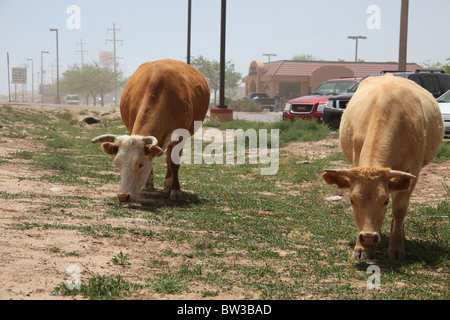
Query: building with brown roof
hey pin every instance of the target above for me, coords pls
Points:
(298, 78)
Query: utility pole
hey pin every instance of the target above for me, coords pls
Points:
(223, 23)
(81, 50)
(58, 99)
(188, 60)
(403, 35)
(32, 79)
(9, 79)
(114, 40)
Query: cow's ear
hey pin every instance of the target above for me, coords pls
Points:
(338, 177)
(400, 181)
(152, 151)
(110, 148)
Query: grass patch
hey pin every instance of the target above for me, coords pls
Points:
(297, 130)
(99, 288)
(443, 153)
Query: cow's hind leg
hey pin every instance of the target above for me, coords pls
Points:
(400, 203)
(172, 184)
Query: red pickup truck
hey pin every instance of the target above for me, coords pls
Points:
(311, 107)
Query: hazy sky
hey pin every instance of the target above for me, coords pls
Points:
(157, 29)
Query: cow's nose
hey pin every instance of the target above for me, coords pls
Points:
(368, 239)
(124, 197)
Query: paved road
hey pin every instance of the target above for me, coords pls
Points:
(258, 116)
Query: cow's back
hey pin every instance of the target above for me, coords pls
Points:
(162, 96)
(391, 122)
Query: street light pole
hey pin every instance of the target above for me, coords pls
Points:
(222, 54)
(58, 100)
(356, 50)
(403, 35)
(32, 79)
(42, 67)
(269, 55)
(188, 60)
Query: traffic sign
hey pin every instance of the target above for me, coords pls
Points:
(19, 75)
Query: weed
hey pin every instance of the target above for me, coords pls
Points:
(100, 287)
(121, 259)
(168, 284)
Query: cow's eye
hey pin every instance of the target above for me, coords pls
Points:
(352, 202)
(141, 164)
(386, 202)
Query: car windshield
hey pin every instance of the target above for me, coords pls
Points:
(445, 97)
(332, 88)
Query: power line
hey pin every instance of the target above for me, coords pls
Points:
(114, 40)
(81, 50)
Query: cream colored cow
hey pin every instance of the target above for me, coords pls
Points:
(391, 128)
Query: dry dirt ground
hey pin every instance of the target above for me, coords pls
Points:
(35, 261)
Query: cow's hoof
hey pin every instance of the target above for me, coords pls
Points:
(149, 187)
(396, 254)
(175, 195)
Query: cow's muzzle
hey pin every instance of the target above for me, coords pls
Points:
(124, 197)
(368, 239)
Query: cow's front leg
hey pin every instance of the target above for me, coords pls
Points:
(149, 185)
(400, 202)
(171, 183)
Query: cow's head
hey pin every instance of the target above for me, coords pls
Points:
(369, 196)
(133, 155)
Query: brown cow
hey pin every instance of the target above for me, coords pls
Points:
(391, 128)
(159, 98)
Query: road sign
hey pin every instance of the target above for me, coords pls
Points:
(19, 75)
(45, 89)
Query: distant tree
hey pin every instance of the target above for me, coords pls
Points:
(306, 57)
(437, 65)
(211, 70)
(90, 80)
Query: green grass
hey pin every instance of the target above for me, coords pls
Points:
(100, 288)
(298, 130)
(443, 153)
(270, 237)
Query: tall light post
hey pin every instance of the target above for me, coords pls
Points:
(223, 23)
(32, 79)
(403, 35)
(42, 66)
(356, 50)
(188, 60)
(58, 100)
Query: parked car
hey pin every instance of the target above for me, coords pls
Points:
(311, 106)
(72, 99)
(435, 81)
(444, 104)
(262, 99)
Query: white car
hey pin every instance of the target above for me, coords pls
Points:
(72, 99)
(444, 104)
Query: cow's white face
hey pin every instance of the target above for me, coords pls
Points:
(133, 157)
(369, 197)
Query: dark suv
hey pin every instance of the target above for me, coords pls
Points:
(435, 81)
